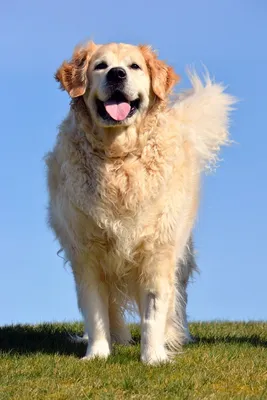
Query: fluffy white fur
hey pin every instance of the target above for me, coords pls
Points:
(123, 201)
(203, 115)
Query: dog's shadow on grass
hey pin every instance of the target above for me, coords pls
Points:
(21, 339)
(252, 340)
(48, 339)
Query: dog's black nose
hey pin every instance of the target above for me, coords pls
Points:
(116, 75)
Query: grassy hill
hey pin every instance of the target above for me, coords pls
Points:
(227, 361)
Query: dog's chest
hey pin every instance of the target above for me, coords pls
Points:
(124, 185)
(116, 196)
(122, 195)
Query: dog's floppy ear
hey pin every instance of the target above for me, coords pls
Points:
(163, 77)
(72, 74)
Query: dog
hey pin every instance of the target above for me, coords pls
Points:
(123, 182)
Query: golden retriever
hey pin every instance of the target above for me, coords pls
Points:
(123, 182)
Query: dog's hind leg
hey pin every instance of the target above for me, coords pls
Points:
(177, 331)
(119, 330)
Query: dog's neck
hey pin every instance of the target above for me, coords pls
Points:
(115, 142)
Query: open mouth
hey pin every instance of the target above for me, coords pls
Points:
(117, 108)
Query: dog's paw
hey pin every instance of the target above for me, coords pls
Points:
(78, 339)
(155, 356)
(97, 349)
(187, 337)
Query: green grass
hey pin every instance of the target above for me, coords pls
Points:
(227, 361)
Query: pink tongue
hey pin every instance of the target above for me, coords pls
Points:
(117, 111)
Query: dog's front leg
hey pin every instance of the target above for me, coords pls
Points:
(93, 303)
(156, 294)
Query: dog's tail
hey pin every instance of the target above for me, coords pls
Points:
(203, 115)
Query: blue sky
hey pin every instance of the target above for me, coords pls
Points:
(229, 37)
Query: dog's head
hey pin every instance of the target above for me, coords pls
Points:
(118, 82)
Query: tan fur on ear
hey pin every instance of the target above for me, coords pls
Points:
(163, 77)
(72, 74)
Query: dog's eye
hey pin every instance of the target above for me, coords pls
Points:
(101, 65)
(134, 66)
